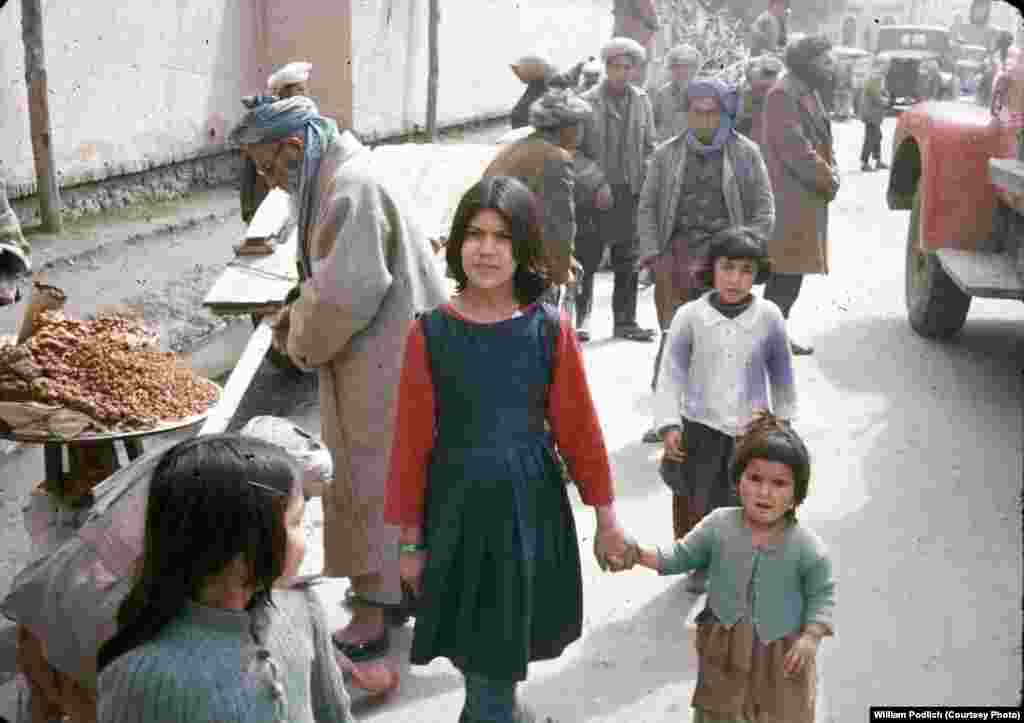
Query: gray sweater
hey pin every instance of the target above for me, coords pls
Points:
(204, 667)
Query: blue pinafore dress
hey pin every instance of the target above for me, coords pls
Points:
(502, 585)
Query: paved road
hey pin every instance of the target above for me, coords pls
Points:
(916, 485)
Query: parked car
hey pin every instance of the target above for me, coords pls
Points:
(921, 62)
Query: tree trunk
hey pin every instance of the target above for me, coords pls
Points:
(39, 114)
(432, 25)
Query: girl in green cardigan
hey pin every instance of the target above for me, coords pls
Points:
(770, 587)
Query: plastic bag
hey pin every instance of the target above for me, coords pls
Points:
(308, 451)
(69, 597)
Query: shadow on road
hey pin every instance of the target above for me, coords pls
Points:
(918, 452)
(625, 661)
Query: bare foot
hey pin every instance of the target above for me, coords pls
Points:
(367, 624)
(374, 678)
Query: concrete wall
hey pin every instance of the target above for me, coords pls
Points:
(132, 85)
(318, 32)
(477, 41)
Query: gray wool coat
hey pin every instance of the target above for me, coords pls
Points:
(748, 192)
(670, 115)
(640, 135)
(373, 271)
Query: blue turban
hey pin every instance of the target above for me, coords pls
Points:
(269, 119)
(728, 102)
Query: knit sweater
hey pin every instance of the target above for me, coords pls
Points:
(718, 371)
(204, 667)
(778, 588)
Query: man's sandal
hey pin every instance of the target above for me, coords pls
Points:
(368, 650)
(395, 615)
(634, 333)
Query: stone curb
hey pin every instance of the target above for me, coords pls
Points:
(47, 251)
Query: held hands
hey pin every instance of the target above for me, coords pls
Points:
(673, 441)
(615, 550)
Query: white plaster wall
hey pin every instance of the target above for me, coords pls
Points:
(477, 40)
(138, 85)
(132, 85)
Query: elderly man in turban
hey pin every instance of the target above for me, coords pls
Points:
(618, 136)
(544, 161)
(683, 62)
(285, 82)
(367, 271)
(797, 145)
(699, 183)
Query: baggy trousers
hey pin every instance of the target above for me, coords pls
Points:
(872, 147)
(615, 229)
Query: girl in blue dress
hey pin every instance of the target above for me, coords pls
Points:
(492, 384)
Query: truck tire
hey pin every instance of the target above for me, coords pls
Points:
(936, 307)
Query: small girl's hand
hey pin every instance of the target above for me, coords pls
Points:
(673, 445)
(800, 655)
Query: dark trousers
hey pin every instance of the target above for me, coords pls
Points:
(782, 290)
(614, 229)
(872, 147)
(488, 700)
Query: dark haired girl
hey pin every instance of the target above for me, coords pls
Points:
(491, 383)
(726, 356)
(770, 587)
(199, 637)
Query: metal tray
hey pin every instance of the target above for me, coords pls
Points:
(91, 437)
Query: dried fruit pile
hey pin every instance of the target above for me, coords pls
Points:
(108, 368)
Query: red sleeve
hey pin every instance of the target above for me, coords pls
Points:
(574, 422)
(413, 440)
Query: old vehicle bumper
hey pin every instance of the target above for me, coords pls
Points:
(943, 149)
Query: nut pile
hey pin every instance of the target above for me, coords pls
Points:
(110, 369)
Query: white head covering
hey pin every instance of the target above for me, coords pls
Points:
(297, 72)
(623, 46)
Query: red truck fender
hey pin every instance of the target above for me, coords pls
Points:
(941, 150)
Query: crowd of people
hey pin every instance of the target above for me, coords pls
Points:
(449, 500)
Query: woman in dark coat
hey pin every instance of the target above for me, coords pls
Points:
(797, 145)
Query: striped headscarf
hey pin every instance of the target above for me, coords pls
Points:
(269, 119)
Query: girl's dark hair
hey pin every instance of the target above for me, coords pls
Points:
(800, 54)
(211, 500)
(770, 438)
(519, 209)
(737, 242)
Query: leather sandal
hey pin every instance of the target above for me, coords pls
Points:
(394, 615)
(367, 650)
(800, 349)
